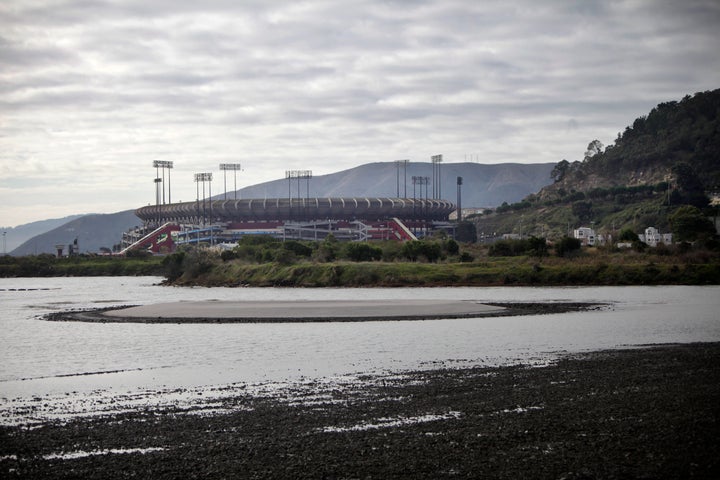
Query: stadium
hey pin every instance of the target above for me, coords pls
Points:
(217, 222)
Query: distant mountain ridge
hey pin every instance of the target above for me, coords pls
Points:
(16, 236)
(483, 186)
(92, 232)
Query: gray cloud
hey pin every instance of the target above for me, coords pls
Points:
(103, 88)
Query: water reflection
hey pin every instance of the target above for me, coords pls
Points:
(39, 358)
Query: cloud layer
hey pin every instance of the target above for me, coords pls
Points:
(92, 92)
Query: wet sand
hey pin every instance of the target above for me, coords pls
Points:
(649, 412)
(310, 311)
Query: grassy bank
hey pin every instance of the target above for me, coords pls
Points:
(614, 269)
(81, 266)
(394, 265)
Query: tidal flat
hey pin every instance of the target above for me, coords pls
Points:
(644, 412)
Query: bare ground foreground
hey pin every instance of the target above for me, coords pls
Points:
(648, 412)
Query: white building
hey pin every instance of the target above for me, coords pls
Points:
(653, 237)
(511, 236)
(586, 235)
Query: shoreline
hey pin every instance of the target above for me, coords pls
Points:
(306, 311)
(643, 412)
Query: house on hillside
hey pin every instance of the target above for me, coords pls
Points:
(653, 237)
(586, 236)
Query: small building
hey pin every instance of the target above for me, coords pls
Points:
(586, 236)
(653, 237)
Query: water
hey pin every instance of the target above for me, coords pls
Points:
(61, 365)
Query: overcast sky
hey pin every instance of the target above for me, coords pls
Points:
(91, 92)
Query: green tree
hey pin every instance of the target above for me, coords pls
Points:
(689, 224)
(328, 249)
(362, 252)
(451, 247)
(537, 247)
(466, 232)
(567, 246)
(594, 148)
(415, 250)
(298, 248)
(582, 210)
(691, 190)
(627, 235)
(559, 170)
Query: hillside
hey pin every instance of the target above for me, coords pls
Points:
(93, 232)
(16, 236)
(483, 185)
(668, 158)
(687, 131)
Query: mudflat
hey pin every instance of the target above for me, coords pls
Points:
(356, 309)
(651, 412)
(311, 311)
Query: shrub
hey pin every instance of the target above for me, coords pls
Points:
(452, 247)
(362, 252)
(628, 235)
(508, 248)
(298, 248)
(228, 255)
(421, 249)
(537, 247)
(466, 232)
(567, 246)
(173, 265)
(466, 257)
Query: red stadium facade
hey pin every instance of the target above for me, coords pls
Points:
(225, 221)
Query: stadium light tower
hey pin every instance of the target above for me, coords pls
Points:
(459, 199)
(398, 163)
(202, 178)
(230, 166)
(436, 161)
(157, 181)
(299, 174)
(165, 165)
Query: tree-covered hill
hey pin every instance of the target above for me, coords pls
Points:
(673, 133)
(667, 159)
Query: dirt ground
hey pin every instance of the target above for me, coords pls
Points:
(645, 413)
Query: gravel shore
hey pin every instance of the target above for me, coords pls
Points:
(651, 412)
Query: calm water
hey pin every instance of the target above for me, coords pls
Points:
(57, 361)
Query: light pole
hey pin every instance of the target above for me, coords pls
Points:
(157, 181)
(459, 199)
(398, 163)
(165, 165)
(202, 178)
(230, 166)
(298, 174)
(436, 161)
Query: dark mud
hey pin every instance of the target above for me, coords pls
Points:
(650, 412)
